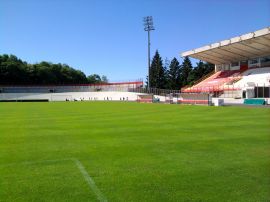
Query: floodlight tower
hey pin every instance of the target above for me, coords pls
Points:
(148, 26)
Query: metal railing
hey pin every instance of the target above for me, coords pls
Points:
(225, 91)
(154, 91)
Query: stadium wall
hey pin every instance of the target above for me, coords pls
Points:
(86, 96)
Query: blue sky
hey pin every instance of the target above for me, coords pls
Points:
(107, 36)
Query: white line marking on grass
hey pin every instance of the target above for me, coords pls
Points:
(90, 181)
(80, 166)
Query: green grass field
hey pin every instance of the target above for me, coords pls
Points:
(91, 151)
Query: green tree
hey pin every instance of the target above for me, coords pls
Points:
(199, 71)
(196, 73)
(157, 72)
(186, 69)
(104, 79)
(174, 80)
(15, 71)
(146, 81)
(166, 73)
(209, 67)
(94, 79)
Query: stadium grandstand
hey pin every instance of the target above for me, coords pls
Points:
(113, 91)
(242, 67)
(101, 91)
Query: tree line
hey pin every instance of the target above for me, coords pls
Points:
(174, 75)
(15, 71)
(171, 75)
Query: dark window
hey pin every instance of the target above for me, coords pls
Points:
(234, 64)
(254, 61)
(244, 62)
(265, 59)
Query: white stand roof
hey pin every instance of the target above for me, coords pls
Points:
(244, 47)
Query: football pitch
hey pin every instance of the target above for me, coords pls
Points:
(113, 151)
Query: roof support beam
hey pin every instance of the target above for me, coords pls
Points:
(204, 54)
(243, 50)
(247, 53)
(230, 55)
(214, 61)
(243, 43)
(262, 44)
(220, 57)
(233, 53)
(267, 40)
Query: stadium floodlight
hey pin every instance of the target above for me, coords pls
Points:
(148, 26)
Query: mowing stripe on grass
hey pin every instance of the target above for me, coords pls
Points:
(36, 162)
(90, 181)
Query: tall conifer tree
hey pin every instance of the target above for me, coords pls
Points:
(157, 72)
(174, 75)
(186, 71)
